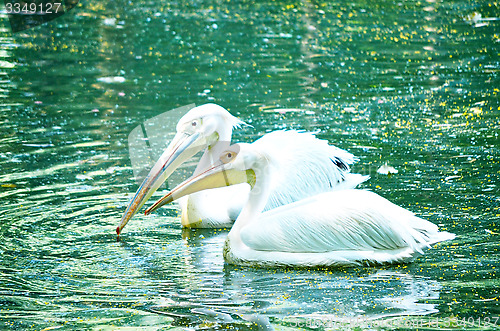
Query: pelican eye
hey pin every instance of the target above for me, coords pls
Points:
(193, 125)
(228, 156)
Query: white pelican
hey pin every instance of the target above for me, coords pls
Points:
(210, 127)
(346, 227)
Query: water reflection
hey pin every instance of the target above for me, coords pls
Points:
(221, 294)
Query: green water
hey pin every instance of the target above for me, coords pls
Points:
(410, 83)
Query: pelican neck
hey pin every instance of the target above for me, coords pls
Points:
(259, 195)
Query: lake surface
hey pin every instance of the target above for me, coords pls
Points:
(414, 84)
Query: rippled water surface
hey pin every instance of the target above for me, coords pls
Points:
(411, 83)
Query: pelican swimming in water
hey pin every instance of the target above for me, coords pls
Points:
(348, 227)
(209, 127)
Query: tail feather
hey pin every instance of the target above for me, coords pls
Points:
(351, 181)
(441, 236)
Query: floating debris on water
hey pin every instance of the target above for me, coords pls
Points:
(387, 170)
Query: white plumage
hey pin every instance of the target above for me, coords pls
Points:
(332, 228)
(297, 177)
(209, 127)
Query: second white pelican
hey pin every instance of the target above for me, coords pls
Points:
(348, 227)
(209, 127)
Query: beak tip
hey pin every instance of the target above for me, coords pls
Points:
(118, 231)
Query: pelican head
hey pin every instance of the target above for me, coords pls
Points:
(200, 128)
(238, 164)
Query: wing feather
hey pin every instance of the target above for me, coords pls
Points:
(338, 221)
(305, 166)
